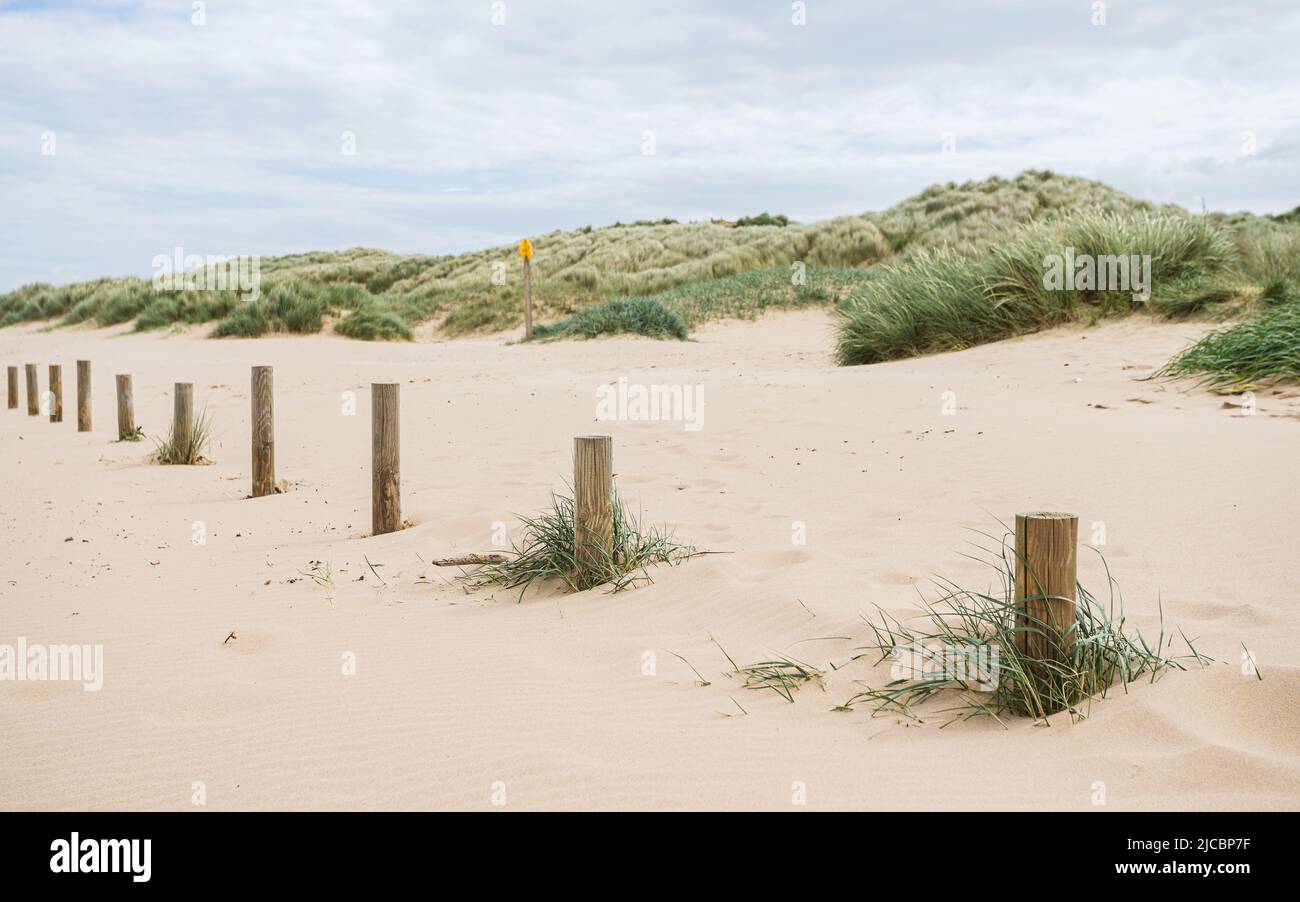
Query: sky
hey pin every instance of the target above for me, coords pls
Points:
(128, 129)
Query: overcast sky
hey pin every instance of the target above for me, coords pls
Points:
(128, 128)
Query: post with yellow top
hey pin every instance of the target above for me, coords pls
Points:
(526, 252)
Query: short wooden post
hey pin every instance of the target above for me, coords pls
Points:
(83, 395)
(125, 407)
(593, 505)
(183, 420)
(13, 388)
(385, 448)
(56, 393)
(1047, 578)
(263, 432)
(33, 400)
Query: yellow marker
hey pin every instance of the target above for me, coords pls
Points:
(526, 249)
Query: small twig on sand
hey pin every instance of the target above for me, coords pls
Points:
(468, 559)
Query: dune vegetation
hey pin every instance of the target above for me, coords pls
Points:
(953, 266)
(942, 301)
(988, 629)
(480, 291)
(673, 313)
(945, 301)
(1264, 348)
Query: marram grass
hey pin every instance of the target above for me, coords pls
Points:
(945, 301)
(374, 323)
(634, 316)
(675, 312)
(574, 269)
(1262, 349)
(169, 452)
(1100, 655)
(781, 675)
(545, 551)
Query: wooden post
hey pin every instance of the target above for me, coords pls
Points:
(13, 388)
(263, 433)
(593, 504)
(1047, 577)
(125, 407)
(83, 395)
(183, 420)
(33, 401)
(528, 299)
(385, 448)
(56, 393)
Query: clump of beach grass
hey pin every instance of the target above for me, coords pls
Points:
(782, 675)
(637, 316)
(545, 551)
(169, 451)
(373, 323)
(1262, 349)
(1097, 655)
(322, 574)
(944, 301)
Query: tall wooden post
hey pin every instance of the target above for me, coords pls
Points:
(13, 388)
(1047, 578)
(528, 299)
(125, 407)
(526, 254)
(83, 395)
(33, 400)
(385, 448)
(593, 505)
(263, 432)
(183, 421)
(56, 393)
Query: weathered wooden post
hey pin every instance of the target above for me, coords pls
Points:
(593, 505)
(13, 388)
(56, 393)
(183, 421)
(83, 395)
(33, 399)
(125, 407)
(263, 432)
(385, 448)
(1047, 577)
(526, 252)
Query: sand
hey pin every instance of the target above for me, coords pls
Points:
(474, 701)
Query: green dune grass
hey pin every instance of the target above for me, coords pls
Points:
(480, 291)
(951, 267)
(1264, 348)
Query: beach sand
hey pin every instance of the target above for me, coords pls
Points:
(473, 701)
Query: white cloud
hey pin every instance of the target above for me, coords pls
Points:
(227, 138)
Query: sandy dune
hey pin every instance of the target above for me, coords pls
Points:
(456, 692)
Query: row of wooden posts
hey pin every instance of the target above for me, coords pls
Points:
(1046, 557)
(593, 457)
(56, 392)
